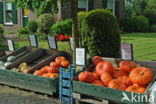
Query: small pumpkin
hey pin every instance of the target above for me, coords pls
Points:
(96, 60)
(118, 73)
(104, 67)
(97, 82)
(37, 72)
(86, 77)
(46, 75)
(125, 80)
(53, 68)
(53, 75)
(106, 78)
(127, 65)
(65, 64)
(44, 69)
(136, 89)
(25, 71)
(141, 76)
(59, 59)
(95, 76)
(116, 84)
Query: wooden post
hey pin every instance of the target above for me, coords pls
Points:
(74, 6)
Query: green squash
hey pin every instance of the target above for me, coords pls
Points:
(7, 64)
(11, 58)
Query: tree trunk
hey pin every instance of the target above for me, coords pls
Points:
(74, 6)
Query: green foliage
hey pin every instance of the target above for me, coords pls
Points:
(153, 28)
(150, 13)
(41, 36)
(127, 24)
(1, 32)
(62, 27)
(101, 31)
(81, 16)
(32, 26)
(140, 24)
(45, 22)
(23, 32)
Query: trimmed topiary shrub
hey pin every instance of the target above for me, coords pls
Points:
(23, 32)
(140, 24)
(45, 22)
(81, 16)
(32, 26)
(62, 27)
(101, 31)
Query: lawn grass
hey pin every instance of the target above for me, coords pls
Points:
(144, 45)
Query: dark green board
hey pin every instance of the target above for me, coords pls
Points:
(112, 94)
(28, 81)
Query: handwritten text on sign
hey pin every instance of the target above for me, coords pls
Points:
(10, 45)
(126, 51)
(80, 56)
(52, 42)
(33, 41)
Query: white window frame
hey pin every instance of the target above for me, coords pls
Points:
(4, 15)
(113, 6)
(86, 6)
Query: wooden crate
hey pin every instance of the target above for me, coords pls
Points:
(20, 53)
(112, 94)
(29, 81)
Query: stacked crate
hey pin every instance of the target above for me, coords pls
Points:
(65, 85)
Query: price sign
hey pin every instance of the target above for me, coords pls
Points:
(127, 51)
(33, 40)
(71, 44)
(52, 42)
(80, 56)
(10, 45)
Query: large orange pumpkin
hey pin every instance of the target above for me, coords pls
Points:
(97, 82)
(53, 68)
(141, 75)
(118, 73)
(95, 76)
(44, 69)
(59, 59)
(106, 78)
(104, 67)
(125, 80)
(136, 89)
(96, 60)
(127, 65)
(86, 77)
(65, 64)
(116, 84)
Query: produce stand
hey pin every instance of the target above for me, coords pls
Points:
(95, 93)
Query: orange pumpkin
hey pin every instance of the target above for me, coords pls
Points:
(96, 60)
(25, 71)
(96, 77)
(116, 84)
(37, 72)
(118, 73)
(97, 82)
(127, 65)
(53, 68)
(86, 77)
(141, 76)
(104, 67)
(106, 78)
(125, 80)
(46, 75)
(59, 59)
(136, 89)
(44, 69)
(53, 75)
(144, 86)
(65, 64)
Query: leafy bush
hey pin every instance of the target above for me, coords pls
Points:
(127, 24)
(62, 27)
(140, 24)
(153, 28)
(32, 26)
(81, 16)
(101, 31)
(23, 32)
(45, 22)
(1, 32)
(150, 13)
(41, 36)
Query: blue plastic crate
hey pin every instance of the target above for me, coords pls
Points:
(65, 83)
(65, 91)
(66, 100)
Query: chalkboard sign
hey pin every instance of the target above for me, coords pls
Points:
(33, 40)
(80, 56)
(71, 44)
(127, 51)
(11, 45)
(52, 42)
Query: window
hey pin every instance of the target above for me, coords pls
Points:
(7, 11)
(111, 6)
(83, 5)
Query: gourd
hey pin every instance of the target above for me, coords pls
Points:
(11, 58)
(1, 63)
(7, 64)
